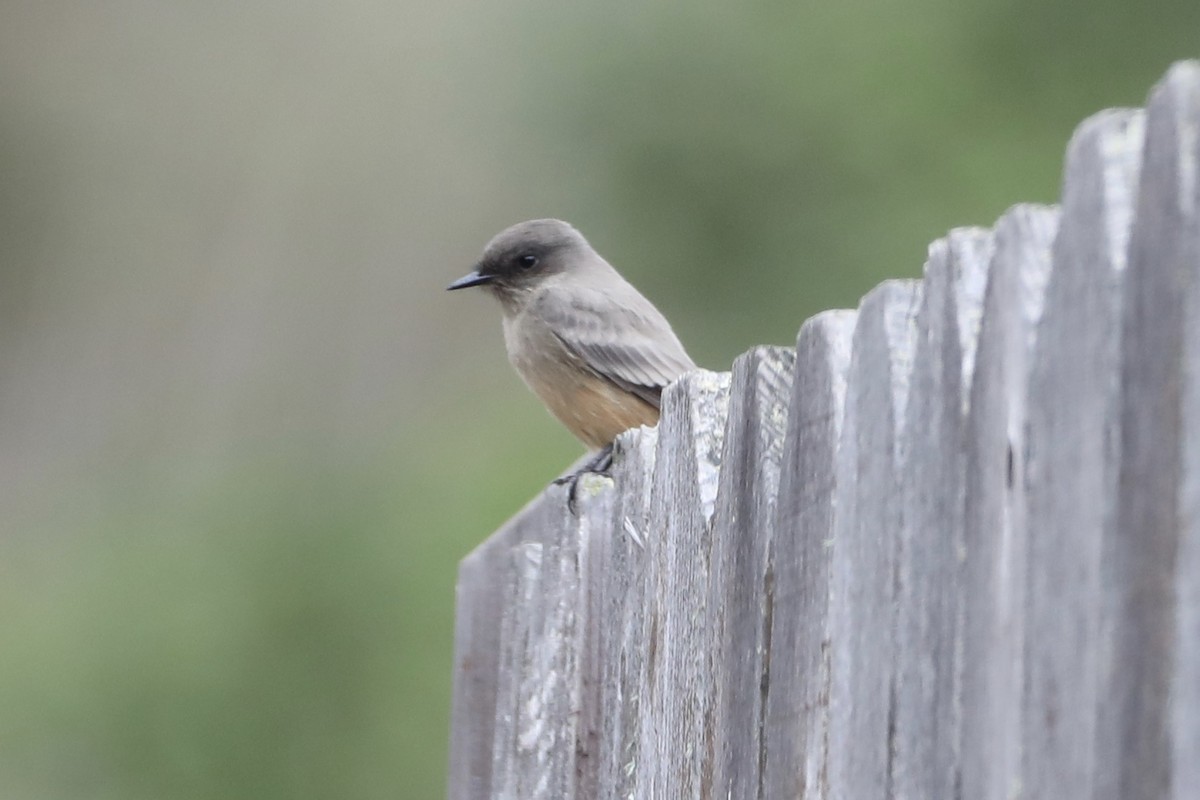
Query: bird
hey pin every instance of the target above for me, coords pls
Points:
(594, 350)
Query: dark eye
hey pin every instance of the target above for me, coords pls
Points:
(527, 261)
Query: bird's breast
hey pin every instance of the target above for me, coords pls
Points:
(593, 408)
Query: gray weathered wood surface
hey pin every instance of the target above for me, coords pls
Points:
(948, 546)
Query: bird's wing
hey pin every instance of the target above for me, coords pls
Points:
(620, 336)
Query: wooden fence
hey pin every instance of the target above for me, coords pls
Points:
(946, 547)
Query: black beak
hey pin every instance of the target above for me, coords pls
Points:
(473, 278)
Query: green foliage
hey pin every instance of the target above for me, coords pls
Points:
(272, 632)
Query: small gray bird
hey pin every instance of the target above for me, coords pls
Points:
(585, 341)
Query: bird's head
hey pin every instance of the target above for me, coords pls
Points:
(521, 257)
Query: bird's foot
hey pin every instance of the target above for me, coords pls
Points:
(600, 464)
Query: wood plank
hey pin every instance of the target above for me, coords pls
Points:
(797, 705)
(930, 551)
(740, 579)
(867, 529)
(994, 518)
(1164, 265)
(676, 738)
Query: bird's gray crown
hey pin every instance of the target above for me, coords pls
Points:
(536, 237)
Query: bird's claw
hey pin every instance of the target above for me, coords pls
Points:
(599, 465)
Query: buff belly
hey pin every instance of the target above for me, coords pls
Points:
(590, 406)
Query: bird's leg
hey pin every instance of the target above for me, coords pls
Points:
(599, 464)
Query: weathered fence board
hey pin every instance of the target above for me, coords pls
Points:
(617, 581)
(1070, 457)
(797, 671)
(932, 488)
(947, 546)
(740, 580)
(479, 603)
(1164, 266)
(995, 518)
(1185, 699)
(866, 538)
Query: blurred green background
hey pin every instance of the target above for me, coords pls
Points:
(245, 436)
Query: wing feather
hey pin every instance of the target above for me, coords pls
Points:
(619, 335)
